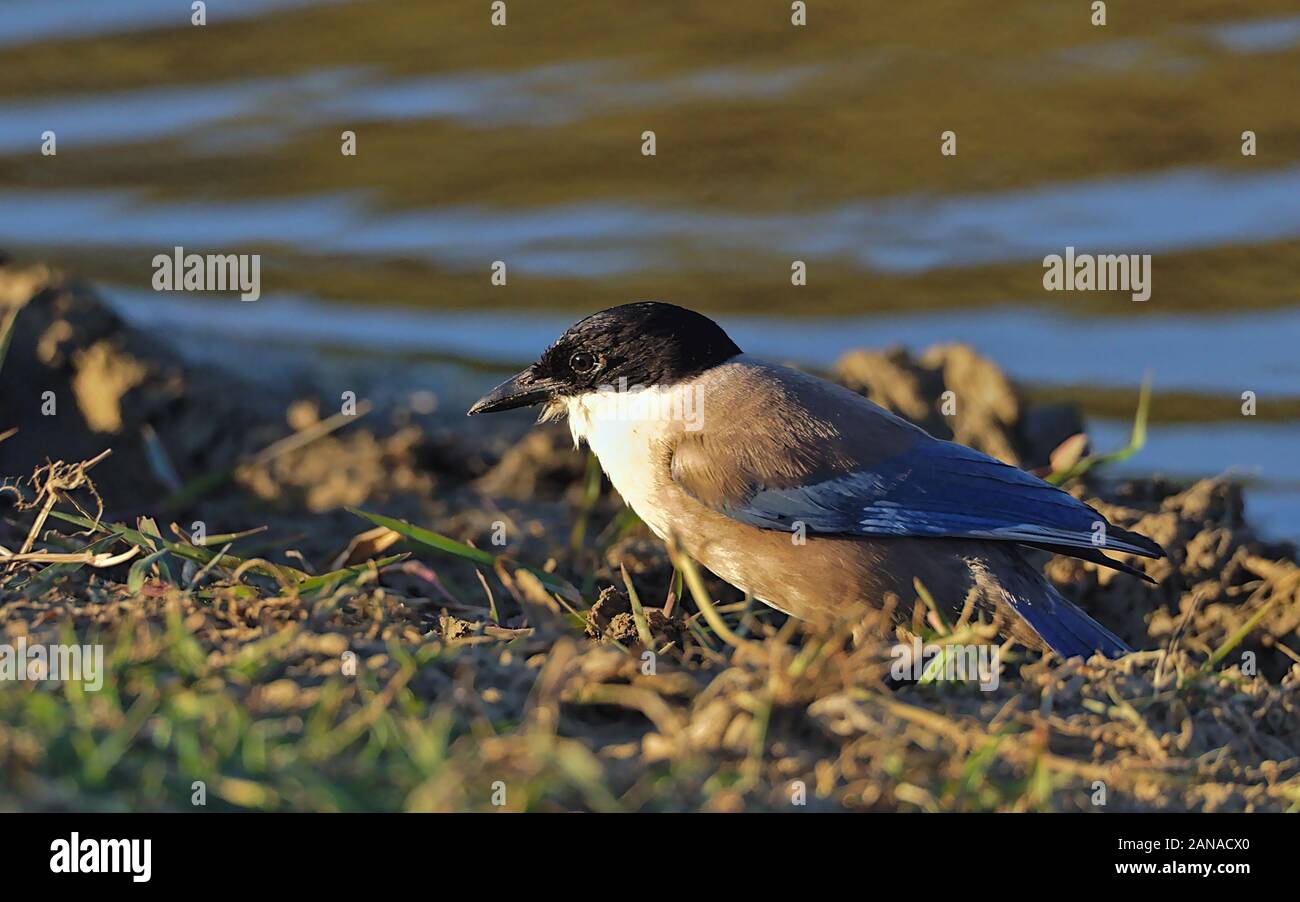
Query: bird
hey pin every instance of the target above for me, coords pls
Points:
(807, 495)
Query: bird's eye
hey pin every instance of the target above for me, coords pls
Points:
(583, 363)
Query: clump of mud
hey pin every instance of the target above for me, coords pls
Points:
(556, 691)
(77, 381)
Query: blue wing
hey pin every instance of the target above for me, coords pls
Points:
(937, 488)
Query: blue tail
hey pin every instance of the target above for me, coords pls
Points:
(1064, 627)
(1070, 632)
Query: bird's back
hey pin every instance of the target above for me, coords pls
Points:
(823, 504)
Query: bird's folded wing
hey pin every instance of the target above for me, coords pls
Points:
(932, 488)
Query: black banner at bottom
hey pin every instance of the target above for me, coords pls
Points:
(339, 852)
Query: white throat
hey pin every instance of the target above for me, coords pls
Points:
(623, 412)
(629, 431)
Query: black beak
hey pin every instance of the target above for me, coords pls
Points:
(523, 390)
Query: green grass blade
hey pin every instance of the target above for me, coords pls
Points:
(312, 583)
(228, 537)
(431, 539)
(140, 570)
(590, 495)
(1137, 441)
(48, 574)
(7, 331)
(1236, 638)
(638, 613)
(180, 549)
(449, 546)
(702, 600)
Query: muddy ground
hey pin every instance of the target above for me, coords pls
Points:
(432, 683)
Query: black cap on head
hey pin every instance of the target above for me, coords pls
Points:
(646, 344)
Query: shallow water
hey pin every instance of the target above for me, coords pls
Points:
(1177, 210)
(775, 144)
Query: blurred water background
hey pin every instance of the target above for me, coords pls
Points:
(775, 143)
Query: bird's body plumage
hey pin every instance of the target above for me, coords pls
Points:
(737, 499)
(809, 496)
